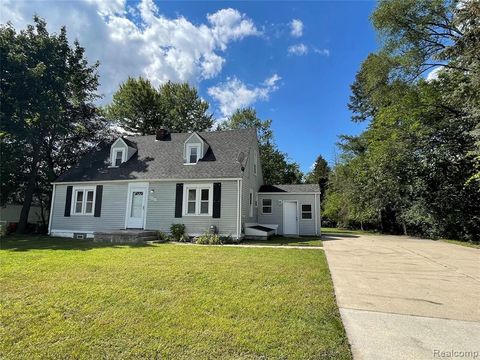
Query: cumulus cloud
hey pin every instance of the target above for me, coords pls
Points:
(324, 52)
(234, 94)
(151, 45)
(298, 49)
(296, 28)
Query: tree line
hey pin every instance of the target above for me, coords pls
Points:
(416, 169)
(49, 116)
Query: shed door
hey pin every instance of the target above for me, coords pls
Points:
(290, 218)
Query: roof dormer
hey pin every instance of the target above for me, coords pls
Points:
(195, 148)
(120, 151)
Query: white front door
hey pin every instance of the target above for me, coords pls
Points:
(136, 207)
(290, 218)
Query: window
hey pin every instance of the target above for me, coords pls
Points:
(256, 200)
(255, 163)
(306, 211)
(266, 206)
(198, 200)
(117, 157)
(83, 201)
(193, 153)
(250, 202)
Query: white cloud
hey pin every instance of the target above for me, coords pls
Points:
(296, 28)
(298, 49)
(153, 45)
(234, 94)
(324, 52)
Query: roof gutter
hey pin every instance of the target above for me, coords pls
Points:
(143, 180)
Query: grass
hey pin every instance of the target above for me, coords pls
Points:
(283, 241)
(73, 299)
(463, 243)
(327, 231)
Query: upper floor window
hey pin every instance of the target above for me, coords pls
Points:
(118, 157)
(198, 200)
(83, 201)
(255, 163)
(250, 203)
(193, 153)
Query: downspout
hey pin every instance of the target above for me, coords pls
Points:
(240, 202)
(50, 215)
(238, 209)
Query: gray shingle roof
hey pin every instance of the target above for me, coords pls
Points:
(164, 159)
(290, 188)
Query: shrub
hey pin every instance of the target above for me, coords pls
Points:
(208, 239)
(228, 240)
(3, 230)
(177, 231)
(162, 236)
(184, 238)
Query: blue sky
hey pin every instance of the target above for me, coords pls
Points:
(292, 61)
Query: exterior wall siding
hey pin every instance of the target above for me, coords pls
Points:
(251, 181)
(306, 226)
(114, 202)
(161, 209)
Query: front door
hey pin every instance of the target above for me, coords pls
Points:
(136, 207)
(290, 218)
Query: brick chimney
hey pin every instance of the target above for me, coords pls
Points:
(162, 134)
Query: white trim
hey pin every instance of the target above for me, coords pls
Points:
(143, 180)
(256, 200)
(202, 147)
(73, 204)
(198, 196)
(271, 206)
(288, 193)
(189, 147)
(316, 216)
(298, 221)
(255, 163)
(50, 215)
(69, 233)
(119, 139)
(238, 209)
(145, 186)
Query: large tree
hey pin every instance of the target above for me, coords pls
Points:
(413, 169)
(47, 117)
(319, 174)
(276, 167)
(140, 108)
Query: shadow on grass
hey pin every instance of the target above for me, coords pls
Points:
(43, 242)
(281, 240)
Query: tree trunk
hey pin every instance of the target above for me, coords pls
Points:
(27, 201)
(404, 227)
(361, 225)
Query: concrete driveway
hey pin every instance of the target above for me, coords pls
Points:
(405, 298)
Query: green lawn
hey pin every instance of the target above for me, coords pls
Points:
(292, 241)
(463, 243)
(72, 299)
(327, 231)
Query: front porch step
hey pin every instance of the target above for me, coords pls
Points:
(125, 236)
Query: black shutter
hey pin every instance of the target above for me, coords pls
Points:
(98, 201)
(217, 197)
(178, 200)
(68, 201)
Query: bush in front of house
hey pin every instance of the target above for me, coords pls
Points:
(178, 233)
(162, 236)
(208, 239)
(228, 240)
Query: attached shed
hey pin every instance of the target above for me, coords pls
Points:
(294, 208)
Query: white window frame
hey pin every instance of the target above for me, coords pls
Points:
(271, 206)
(198, 198)
(75, 190)
(189, 148)
(306, 212)
(250, 203)
(255, 163)
(256, 200)
(114, 155)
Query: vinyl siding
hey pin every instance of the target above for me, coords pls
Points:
(112, 217)
(306, 226)
(161, 209)
(251, 181)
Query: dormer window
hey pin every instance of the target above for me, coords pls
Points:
(118, 156)
(193, 152)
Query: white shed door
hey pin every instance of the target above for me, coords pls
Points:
(290, 217)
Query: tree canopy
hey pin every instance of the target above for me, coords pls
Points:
(47, 117)
(415, 169)
(140, 108)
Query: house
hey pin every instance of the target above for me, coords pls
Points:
(204, 180)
